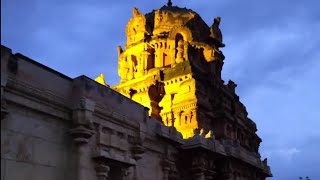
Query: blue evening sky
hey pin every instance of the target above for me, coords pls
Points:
(272, 52)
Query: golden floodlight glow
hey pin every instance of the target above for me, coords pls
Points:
(155, 68)
(100, 79)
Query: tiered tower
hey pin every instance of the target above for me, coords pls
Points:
(172, 64)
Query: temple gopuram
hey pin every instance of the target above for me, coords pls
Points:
(172, 64)
(171, 117)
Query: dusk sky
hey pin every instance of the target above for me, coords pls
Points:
(272, 52)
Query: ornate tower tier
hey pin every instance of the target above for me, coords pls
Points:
(172, 64)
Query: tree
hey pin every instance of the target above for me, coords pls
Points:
(307, 178)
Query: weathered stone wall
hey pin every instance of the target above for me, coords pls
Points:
(149, 166)
(33, 146)
(57, 128)
(34, 120)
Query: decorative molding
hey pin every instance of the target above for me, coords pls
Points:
(50, 103)
(102, 170)
(108, 155)
(81, 134)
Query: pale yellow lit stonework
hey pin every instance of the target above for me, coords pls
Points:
(100, 79)
(161, 54)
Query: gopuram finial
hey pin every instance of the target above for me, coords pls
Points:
(169, 3)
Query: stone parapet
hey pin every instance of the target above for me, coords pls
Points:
(107, 98)
(169, 133)
(226, 148)
(246, 156)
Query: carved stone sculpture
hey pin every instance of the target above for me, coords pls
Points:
(215, 31)
(180, 52)
(136, 27)
(100, 79)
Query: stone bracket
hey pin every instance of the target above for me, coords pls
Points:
(107, 155)
(169, 169)
(82, 113)
(138, 151)
(102, 170)
(81, 134)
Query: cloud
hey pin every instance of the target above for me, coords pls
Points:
(284, 154)
(287, 118)
(289, 153)
(253, 58)
(292, 162)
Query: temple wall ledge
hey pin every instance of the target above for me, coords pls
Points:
(249, 157)
(106, 154)
(169, 133)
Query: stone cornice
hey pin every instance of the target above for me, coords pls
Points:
(37, 99)
(225, 149)
(248, 157)
(192, 105)
(36, 92)
(108, 114)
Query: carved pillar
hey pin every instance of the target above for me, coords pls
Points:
(185, 50)
(169, 170)
(171, 119)
(81, 134)
(142, 62)
(193, 115)
(138, 149)
(130, 68)
(4, 111)
(166, 168)
(173, 56)
(180, 117)
(173, 174)
(140, 67)
(158, 58)
(102, 170)
(144, 56)
(9, 68)
(209, 174)
(180, 52)
(198, 168)
(123, 68)
(177, 116)
(165, 173)
(124, 173)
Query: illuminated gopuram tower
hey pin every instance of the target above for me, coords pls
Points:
(172, 64)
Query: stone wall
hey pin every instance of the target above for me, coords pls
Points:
(33, 145)
(57, 128)
(34, 120)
